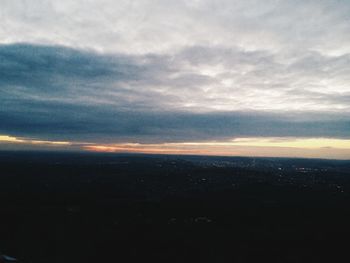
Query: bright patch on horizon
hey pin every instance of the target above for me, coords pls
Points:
(306, 143)
(269, 146)
(11, 139)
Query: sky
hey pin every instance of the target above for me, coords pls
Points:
(223, 77)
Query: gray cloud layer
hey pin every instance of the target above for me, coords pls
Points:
(167, 25)
(58, 93)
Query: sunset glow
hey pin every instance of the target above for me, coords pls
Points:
(318, 147)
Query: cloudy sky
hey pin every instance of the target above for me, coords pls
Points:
(226, 77)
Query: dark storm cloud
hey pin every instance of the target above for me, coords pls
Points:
(96, 123)
(43, 68)
(59, 93)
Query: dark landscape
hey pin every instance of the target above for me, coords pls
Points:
(87, 207)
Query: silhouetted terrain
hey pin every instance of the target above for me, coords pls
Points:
(82, 207)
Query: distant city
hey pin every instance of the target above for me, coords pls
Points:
(87, 207)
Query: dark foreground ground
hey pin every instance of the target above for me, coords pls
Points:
(57, 207)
